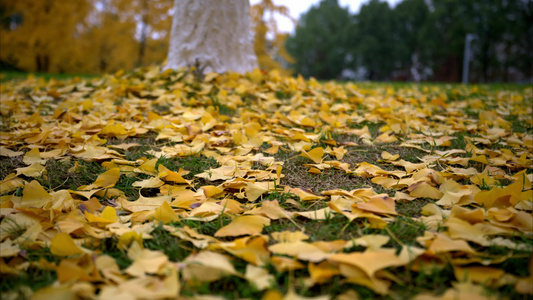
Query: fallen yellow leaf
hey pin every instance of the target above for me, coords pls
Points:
(63, 245)
(243, 225)
(315, 155)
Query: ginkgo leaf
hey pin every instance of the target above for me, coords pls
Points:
(68, 271)
(300, 250)
(34, 195)
(243, 225)
(483, 179)
(387, 156)
(254, 191)
(305, 194)
(500, 197)
(108, 216)
(206, 210)
(125, 240)
(10, 183)
(373, 242)
(289, 236)
(481, 158)
(403, 196)
(368, 262)
(339, 152)
(87, 194)
(424, 190)
(33, 170)
(314, 170)
(207, 266)
(109, 268)
(525, 179)
(258, 276)
(443, 243)
(272, 210)
(459, 229)
(322, 272)
(105, 180)
(147, 167)
(453, 192)
(153, 182)
(4, 151)
(472, 216)
(386, 138)
(63, 245)
(315, 155)
(222, 173)
(168, 175)
(283, 263)
(209, 191)
(200, 241)
(144, 260)
(165, 213)
(145, 203)
(380, 205)
(253, 250)
(33, 156)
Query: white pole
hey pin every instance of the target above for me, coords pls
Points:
(466, 60)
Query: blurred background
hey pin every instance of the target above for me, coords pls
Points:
(409, 40)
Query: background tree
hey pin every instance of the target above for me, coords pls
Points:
(268, 40)
(409, 16)
(503, 40)
(89, 36)
(416, 39)
(321, 41)
(110, 37)
(519, 43)
(213, 35)
(36, 34)
(377, 47)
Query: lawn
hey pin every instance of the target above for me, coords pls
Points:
(158, 185)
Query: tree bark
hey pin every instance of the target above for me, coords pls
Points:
(213, 35)
(144, 32)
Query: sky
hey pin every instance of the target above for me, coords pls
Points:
(297, 7)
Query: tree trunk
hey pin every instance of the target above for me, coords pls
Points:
(144, 32)
(213, 35)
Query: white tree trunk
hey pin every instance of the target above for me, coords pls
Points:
(214, 35)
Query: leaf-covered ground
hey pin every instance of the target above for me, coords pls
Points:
(150, 185)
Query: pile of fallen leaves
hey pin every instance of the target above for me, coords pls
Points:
(472, 170)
